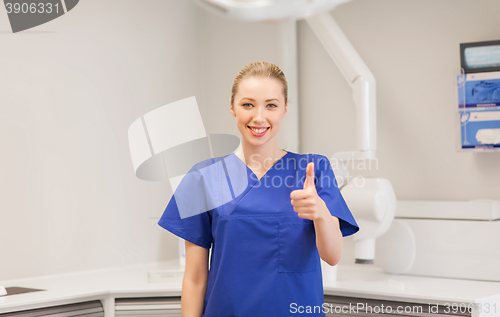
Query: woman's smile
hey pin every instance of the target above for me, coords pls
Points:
(258, 131)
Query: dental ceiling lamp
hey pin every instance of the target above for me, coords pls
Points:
(268, 10)
(374, 202)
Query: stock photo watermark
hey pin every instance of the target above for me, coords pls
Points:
(25, 15)
(300, 164)
(171, 143)
(365, 308)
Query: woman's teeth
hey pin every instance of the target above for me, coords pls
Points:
(258, 130)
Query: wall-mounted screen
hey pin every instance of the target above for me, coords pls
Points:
(480, 57)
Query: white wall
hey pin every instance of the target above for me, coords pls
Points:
(412, 48)
(69, 91)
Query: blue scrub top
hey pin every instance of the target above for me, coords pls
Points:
(264, 259)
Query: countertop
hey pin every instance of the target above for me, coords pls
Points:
(354, 281)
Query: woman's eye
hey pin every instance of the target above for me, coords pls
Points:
(248, 105)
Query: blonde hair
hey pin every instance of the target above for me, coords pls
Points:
(259, 69)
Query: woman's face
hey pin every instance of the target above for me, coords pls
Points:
(259, 106)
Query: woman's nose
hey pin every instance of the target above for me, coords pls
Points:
(259, 115)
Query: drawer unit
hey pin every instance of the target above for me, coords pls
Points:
(87, 309)
(148, 307)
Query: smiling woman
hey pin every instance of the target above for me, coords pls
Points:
(259, 102)
(268, 240)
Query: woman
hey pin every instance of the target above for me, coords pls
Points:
(267, 241)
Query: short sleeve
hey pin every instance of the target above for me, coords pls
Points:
(328, 190)
(195, 229)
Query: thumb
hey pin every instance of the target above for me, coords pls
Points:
(309, 182)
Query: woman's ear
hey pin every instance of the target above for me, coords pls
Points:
(233, 112)
(286, 108)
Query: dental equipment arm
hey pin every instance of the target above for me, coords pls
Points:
(374, 203)
(359, 78)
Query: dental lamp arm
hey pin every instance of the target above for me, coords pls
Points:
(374, 204)
(359, 78)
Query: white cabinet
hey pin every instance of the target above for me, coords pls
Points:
(148, 307)
(87, 309)
(128, 292)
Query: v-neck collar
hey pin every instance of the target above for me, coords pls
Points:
(275, 163)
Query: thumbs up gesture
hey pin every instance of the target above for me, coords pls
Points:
(306, 202)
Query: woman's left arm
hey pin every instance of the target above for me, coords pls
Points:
(328, 236)
(308, 205)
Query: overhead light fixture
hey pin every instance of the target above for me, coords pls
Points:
(268, 10)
